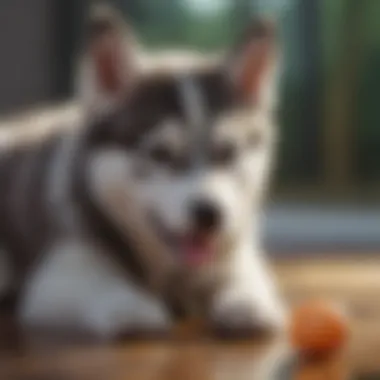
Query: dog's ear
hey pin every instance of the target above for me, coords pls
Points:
(108, 63)
(251, 60)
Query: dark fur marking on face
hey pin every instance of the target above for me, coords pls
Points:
(156, 99)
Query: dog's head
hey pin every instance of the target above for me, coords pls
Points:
(195, 145)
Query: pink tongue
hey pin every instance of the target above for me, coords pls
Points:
(196, 252)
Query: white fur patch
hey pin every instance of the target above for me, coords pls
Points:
(249, 297)
(78, 287)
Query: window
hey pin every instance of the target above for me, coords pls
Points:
(37, 41)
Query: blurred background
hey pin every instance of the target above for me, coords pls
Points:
(326, 194)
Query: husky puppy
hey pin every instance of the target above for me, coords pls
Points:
(189, 148)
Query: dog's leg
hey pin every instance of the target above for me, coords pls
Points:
(78, 287)
(247, 301)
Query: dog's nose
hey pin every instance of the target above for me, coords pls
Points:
(206, 215)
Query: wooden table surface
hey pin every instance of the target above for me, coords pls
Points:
(189, 354)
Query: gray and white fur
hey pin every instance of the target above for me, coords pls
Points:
(69, 246)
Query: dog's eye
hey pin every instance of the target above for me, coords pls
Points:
(224, 154)
(161, 154)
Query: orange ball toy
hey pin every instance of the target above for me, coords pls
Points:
(318, 328)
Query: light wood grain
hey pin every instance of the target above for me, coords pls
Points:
(190, 353)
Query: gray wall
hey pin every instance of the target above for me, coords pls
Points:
(26, 46)
(38, 39)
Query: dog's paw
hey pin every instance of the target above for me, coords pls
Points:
(245, 317)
